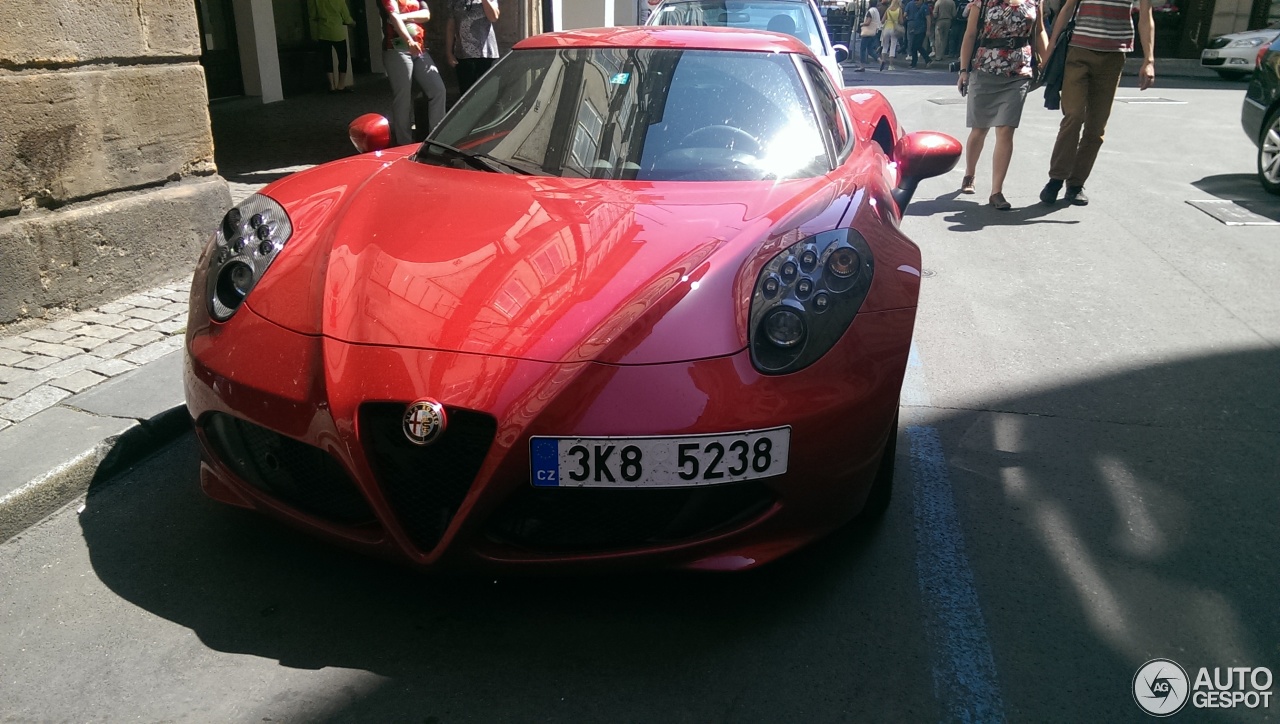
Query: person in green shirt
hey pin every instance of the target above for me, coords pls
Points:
(329, 21)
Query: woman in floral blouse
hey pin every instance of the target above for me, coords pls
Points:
(999, 40)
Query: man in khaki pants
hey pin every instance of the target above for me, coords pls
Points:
(1103, 37)
(944, 11)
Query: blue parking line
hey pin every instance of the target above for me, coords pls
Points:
(964, 669)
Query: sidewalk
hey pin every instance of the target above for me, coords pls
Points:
(86, 395)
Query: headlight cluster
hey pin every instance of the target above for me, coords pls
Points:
(248, 240)
(1246, 43)
(806, 297)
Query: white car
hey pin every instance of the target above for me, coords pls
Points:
(1234, 55)
(800, 18)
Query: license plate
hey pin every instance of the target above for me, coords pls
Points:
(673, 461)
(1209, 54)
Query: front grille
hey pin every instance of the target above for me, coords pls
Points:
(295, 473)
(595, 519)
(1212, 61)
(1218, 43)
(425, 485)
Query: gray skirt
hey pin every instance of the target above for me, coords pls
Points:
(996, 100)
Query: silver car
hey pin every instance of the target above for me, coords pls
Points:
(799, 18)
(1235, 55)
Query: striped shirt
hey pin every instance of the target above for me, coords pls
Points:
(1104, 26)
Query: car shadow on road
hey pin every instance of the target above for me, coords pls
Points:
(964, 215)
(1245, 190)
(1108, 520)
(500, 648)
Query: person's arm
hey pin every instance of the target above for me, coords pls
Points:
(397, 22)
(346, 14)
(1065, 13)
(1147, 33)
(1041, 47)
(490, 9)
(450, 26)
(966, 47)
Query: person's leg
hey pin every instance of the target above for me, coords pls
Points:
(1103, 81)
(399, 74)
(1001, 157)
(470, 70)
(340, 47)
(428, 78)
(1075, 92)
(326, 54)
(972, 152)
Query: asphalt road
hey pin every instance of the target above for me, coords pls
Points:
(1086, 480)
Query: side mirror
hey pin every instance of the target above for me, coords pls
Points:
(919, 156)
(370, 132)
(842, 52)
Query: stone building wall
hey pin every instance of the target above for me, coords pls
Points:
(107, 180)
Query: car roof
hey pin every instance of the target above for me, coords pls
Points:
(669, 36)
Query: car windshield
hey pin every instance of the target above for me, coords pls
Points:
(790, 18)
(644, 114)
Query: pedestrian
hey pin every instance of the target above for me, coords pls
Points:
(471, 23)
(995, 73)
(917, 22)
(329, 21)
(867, 35)
(957, 28)
(892, 32)
(1095, 58)
(407, 61)
(944, 12)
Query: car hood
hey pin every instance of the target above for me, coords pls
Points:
(1266, 34)
(536, 268)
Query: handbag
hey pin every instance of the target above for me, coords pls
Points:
(1056, 66)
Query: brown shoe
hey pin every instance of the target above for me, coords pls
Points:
(998, 201)
(966, 186)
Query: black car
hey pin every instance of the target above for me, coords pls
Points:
(1261, 115)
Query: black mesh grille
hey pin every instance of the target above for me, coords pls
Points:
(1218, 43)
(425, 485)
(298, 475)
(594, 519)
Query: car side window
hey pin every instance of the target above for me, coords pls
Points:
(827, 101)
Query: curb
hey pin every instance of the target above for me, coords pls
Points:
(51, 491)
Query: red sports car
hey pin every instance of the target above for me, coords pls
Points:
(641, 298)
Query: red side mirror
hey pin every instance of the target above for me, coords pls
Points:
(370, 132)
(919, 156)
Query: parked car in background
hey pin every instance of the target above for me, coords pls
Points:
(799, 18)
(1261, 114)
(1235, 55)
(641, 298)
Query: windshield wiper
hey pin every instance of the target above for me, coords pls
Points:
(481, 161)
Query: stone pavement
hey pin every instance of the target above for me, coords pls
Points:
(85, 393)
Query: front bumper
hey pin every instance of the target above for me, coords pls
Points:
(307, 429)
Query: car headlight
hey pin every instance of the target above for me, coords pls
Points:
(1246, 43)
(249, 238)
(806, 297)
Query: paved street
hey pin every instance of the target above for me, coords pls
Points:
(1087, 479)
